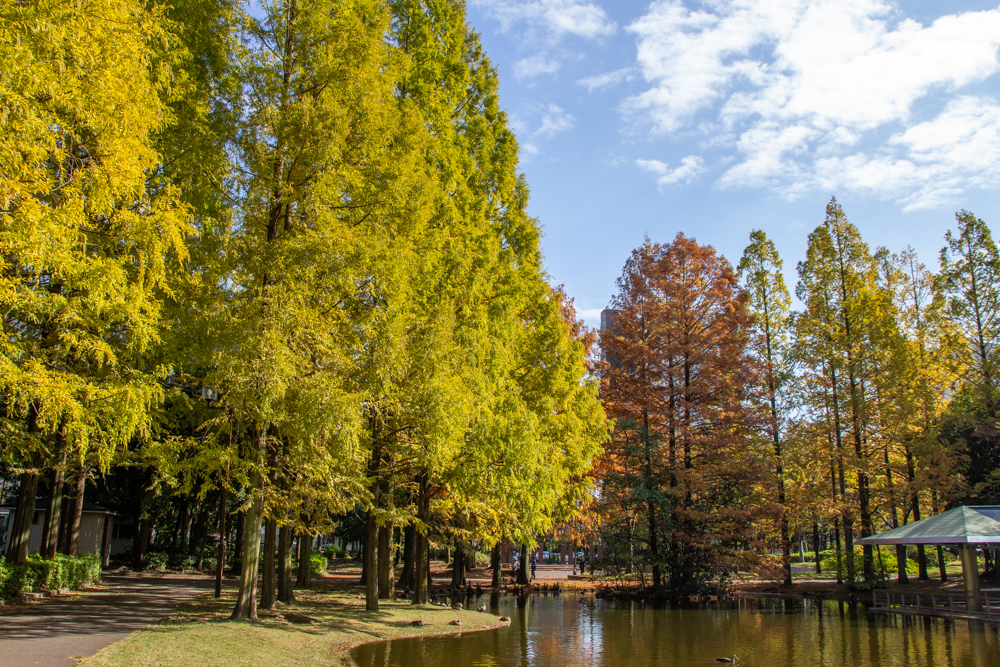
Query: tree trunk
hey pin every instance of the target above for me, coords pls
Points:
(220, 565)
(64, 515)
(17, 549)
(53, 510)
(458, 566)
(495, 565)
(385, 578)
(180, 530)
(303, 578)
(816, 548)
(522, 570)
(409, 539)
(285, 593)
(145, 535)
(370, 564)
(654, 553)
(363, 548)
(911, 478)
(941, 564)
(421, 547)
(246, 597)
(202, 531)
(241, 517)
(901, 576)
(268, 593)
(421, 569)
(76, 514)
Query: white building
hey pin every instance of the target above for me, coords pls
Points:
(96, 525)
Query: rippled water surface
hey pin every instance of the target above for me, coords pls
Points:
(571, 630)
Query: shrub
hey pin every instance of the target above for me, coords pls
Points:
(332, 552)
(156, 560)
(43, 574)
(182, 561)
(886, 562)
(19, 579)
(79, 570)
(318, 564)
(49, 574)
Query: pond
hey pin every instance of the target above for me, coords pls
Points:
(571, 630)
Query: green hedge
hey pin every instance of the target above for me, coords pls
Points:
(15, 580)
(40, 574)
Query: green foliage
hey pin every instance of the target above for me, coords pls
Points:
(49, 574)
(85, 243)
(182, 561)
(885, 559)
(331, 551)
(18, 579)
(43, 574)
(318, 564)
(156, 560)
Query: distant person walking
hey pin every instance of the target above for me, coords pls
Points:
(534, 565)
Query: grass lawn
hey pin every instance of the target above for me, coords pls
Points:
(202, 634)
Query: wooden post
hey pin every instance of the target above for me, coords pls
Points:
(970, 577)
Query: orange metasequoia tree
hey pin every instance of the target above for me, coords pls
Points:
(684, 466)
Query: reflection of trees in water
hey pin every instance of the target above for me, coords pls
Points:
(522, 620)
(547, 631)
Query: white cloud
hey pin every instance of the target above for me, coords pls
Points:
(540, 123)
(690, 168)
(607, 80)
(555, 17)
(535, 65)
(541, 25)
(806, 91)
(554, 120)
(931, 162)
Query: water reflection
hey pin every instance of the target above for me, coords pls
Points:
(579, 630)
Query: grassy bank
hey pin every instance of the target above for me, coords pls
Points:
(202, 634)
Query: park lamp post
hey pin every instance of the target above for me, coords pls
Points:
(209, 393)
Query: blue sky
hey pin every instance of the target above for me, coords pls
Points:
(714, 118)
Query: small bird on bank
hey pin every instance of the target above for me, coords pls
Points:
(732, 659)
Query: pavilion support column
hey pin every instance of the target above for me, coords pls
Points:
(970, 575)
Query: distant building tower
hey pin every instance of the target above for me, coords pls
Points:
(609, 317)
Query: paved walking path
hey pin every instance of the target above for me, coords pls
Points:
(55, 632)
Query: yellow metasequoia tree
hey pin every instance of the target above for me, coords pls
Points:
(83, 241)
